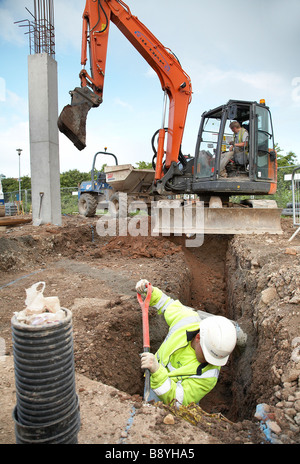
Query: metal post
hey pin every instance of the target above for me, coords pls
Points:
(296, 201)
(41, 28)
(19, 153)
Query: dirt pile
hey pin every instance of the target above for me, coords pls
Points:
(148, 247)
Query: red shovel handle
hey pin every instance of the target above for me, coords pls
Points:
(146, 338)
(145, 307)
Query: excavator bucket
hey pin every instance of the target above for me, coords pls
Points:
(72, 123)
(72, 119)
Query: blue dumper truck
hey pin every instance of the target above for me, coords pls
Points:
(104, 188)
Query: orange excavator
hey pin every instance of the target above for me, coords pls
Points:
(251, 171)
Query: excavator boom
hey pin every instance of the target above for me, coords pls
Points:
(176, 84)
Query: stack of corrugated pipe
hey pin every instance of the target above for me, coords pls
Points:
(47, 408)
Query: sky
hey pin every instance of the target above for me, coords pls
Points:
(231, 49)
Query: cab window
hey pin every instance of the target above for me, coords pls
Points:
(265, 142)
(208, 148)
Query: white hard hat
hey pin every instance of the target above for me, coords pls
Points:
(217, 339)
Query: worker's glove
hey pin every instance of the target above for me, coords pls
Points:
(141, 286)
(150, 362)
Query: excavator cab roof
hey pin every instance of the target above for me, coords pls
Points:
(237, 109)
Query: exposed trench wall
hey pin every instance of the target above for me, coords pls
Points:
(240, 295)
(254, 282)
(262, 282)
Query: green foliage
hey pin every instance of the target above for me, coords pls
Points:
(10, 184)
(283, 193)
(67, 179)
(73, 177)
(289, 159)
(69, 202)
(26, 183)
(144, 165)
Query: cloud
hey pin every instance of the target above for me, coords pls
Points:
(9, 13)
(150, 73)
(122, 103)
(211, 80)
(296, 90)
(2, 89)
(16, 102)
(68, 25)
(14, 136)
(67, 22)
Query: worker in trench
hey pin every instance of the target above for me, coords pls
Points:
(187, 364)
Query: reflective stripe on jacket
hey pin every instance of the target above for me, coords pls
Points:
(180, 375)
(240, 135)
(239, 138)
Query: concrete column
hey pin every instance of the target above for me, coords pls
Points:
(44, 146)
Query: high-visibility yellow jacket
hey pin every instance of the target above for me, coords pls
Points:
(180, 376)
(238, 138)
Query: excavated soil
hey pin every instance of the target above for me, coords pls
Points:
(253, 280)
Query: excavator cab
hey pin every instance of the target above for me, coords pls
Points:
(251, 169)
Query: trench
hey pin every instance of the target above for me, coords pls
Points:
(209, 288)
(208, 292)
(206, 287)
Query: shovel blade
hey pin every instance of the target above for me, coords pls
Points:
(147, 386)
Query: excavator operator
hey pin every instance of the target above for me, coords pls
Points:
(238, 145)
(187, 365)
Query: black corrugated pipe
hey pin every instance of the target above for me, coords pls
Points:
(47, 409)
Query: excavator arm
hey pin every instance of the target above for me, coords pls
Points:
(176, 84)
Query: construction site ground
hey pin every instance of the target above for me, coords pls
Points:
(254, 280)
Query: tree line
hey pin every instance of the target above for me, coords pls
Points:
(70, 178)
(73, 177)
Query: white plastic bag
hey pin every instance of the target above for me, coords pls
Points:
(35, 298)
(39, 309)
